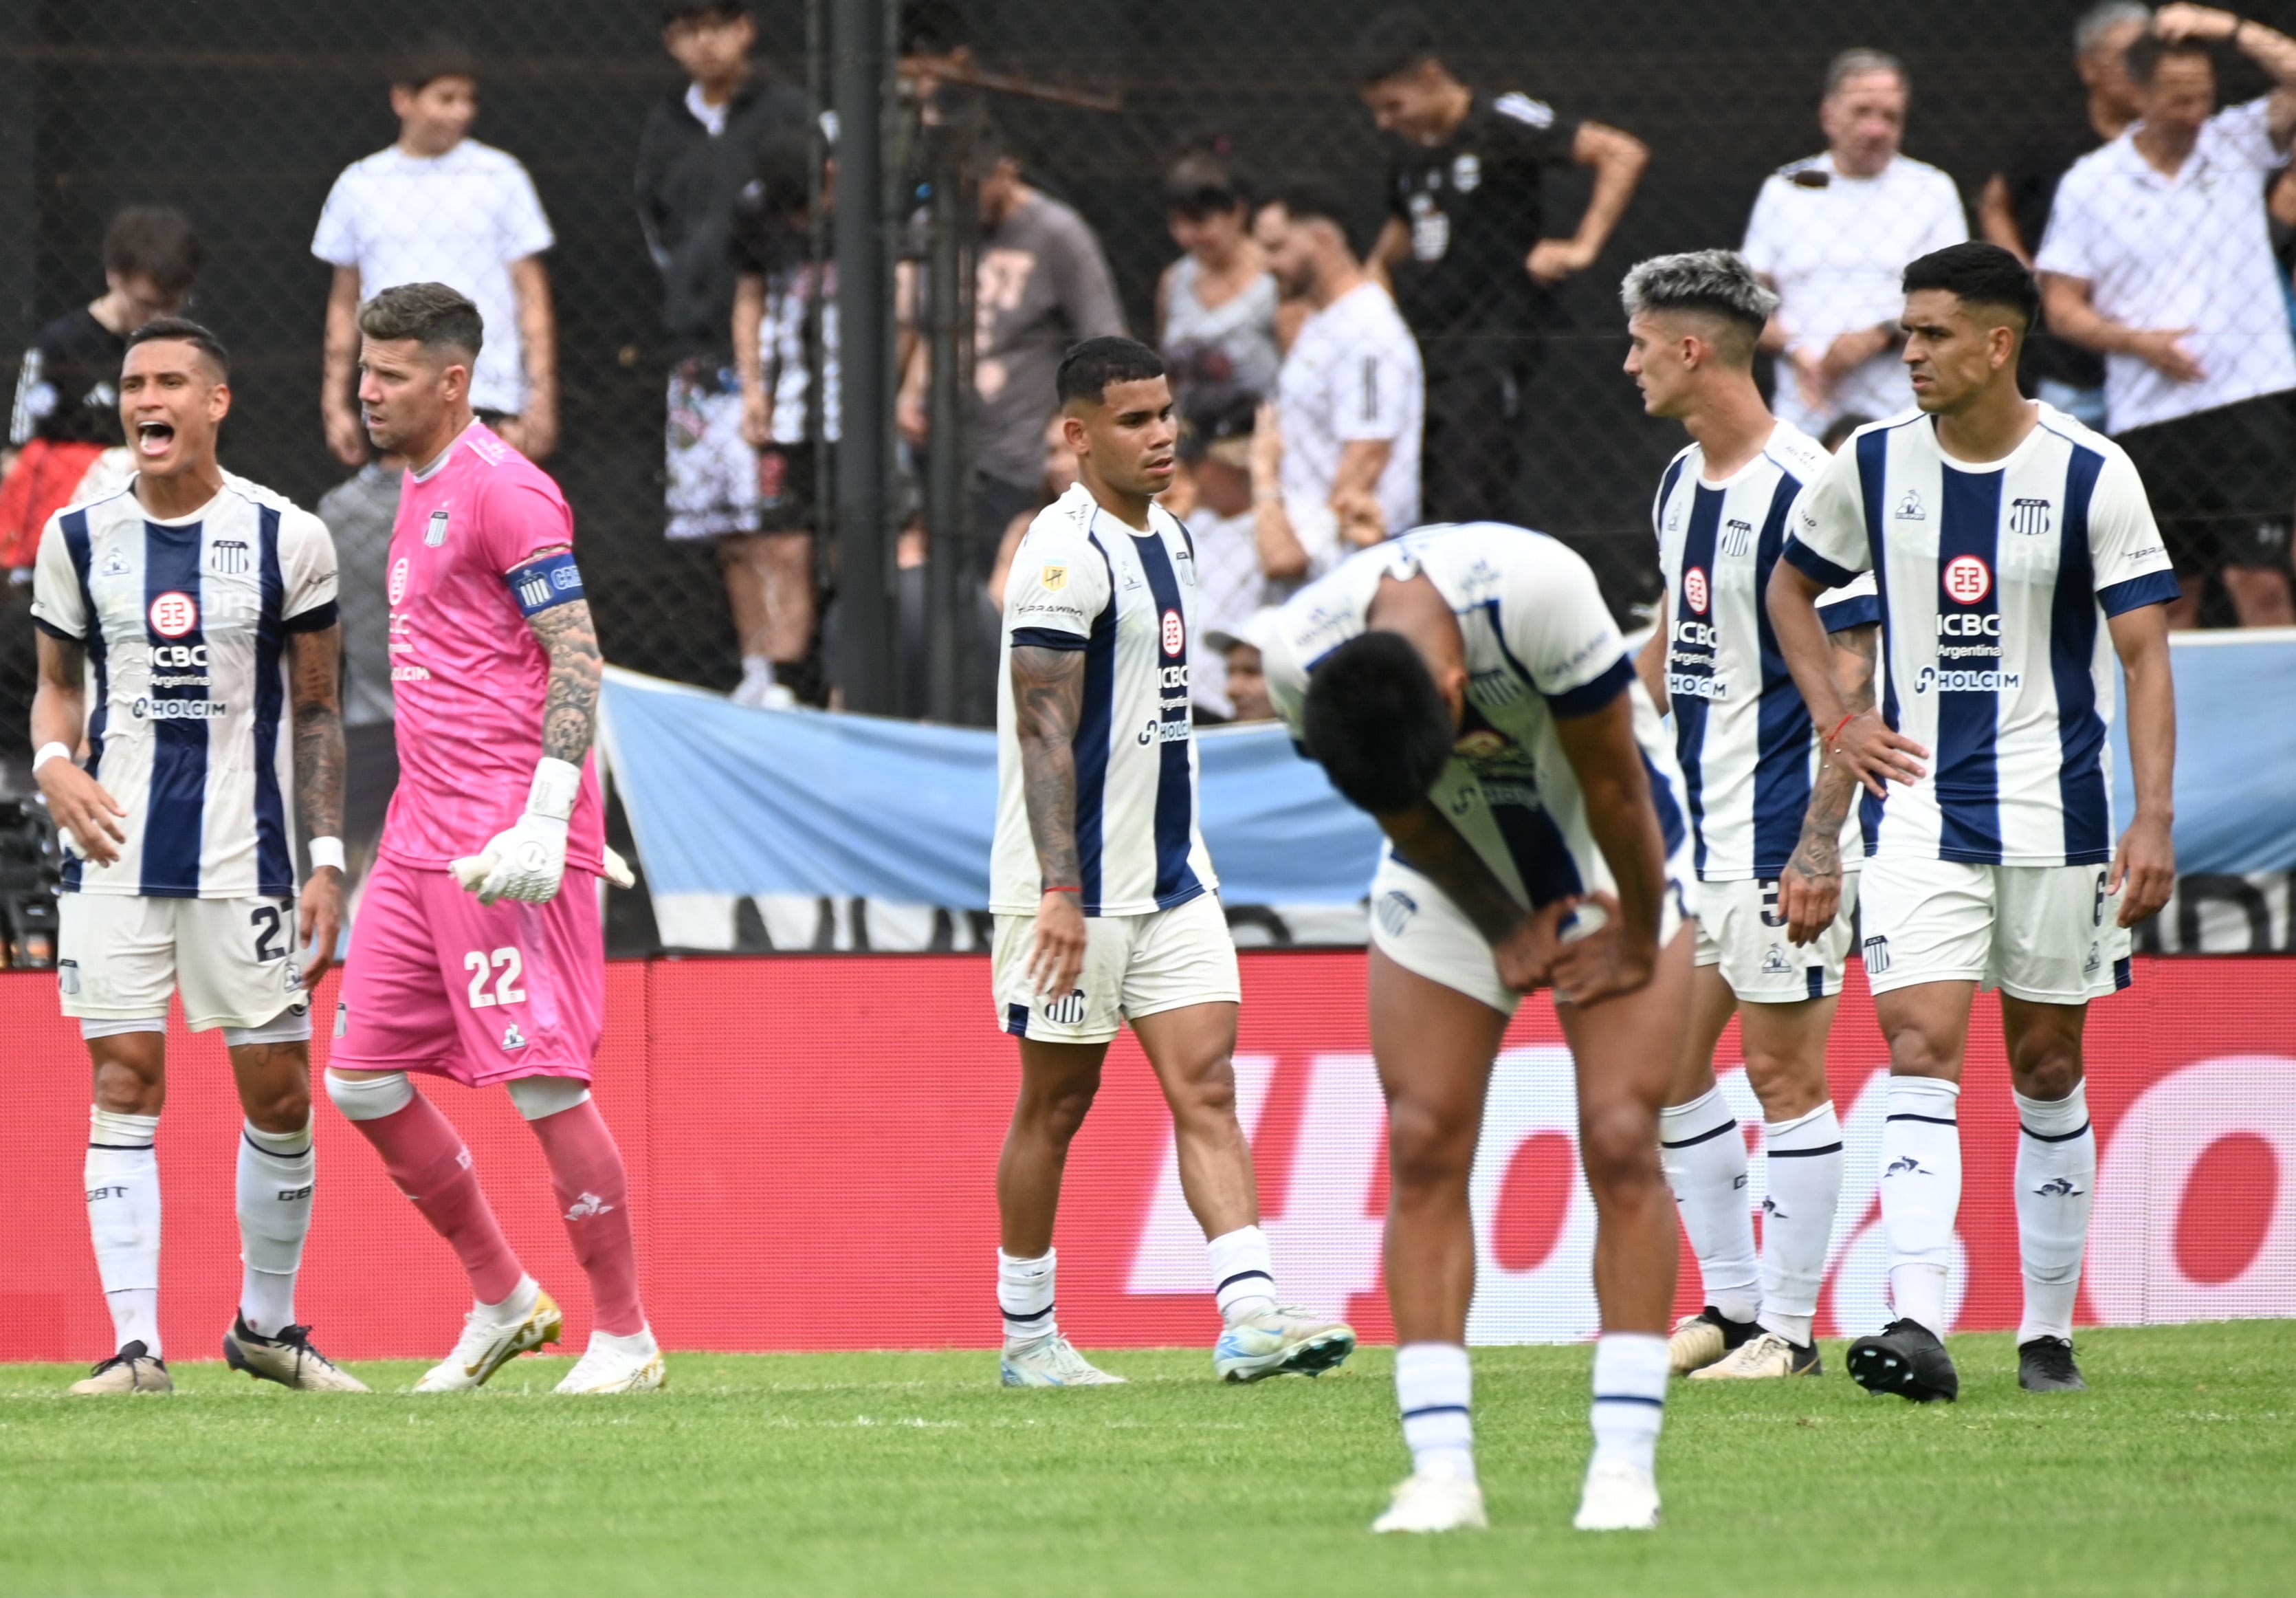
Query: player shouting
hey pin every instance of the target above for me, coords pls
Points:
(1102, 890)
(468, 961)
(1767, 817)
(1467, 687)
(2016, 556)
(181, 621)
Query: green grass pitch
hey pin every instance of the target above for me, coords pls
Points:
(914, 1473)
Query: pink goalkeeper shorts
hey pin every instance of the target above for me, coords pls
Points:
(437, 982)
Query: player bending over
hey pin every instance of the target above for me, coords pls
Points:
(2016, 556)
(468, 961)
(1103, 893)
(181, 620)
(1466, 686)
(1769, 820)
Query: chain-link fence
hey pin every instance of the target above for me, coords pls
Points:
(245, 114)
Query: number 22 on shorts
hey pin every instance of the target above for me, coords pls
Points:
(505, 966)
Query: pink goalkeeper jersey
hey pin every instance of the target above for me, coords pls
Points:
(466, 673)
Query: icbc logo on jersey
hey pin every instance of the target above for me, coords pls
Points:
(1694, 588)
(1175, 634)
(1967, 578)
(399, 581)
(174, 615)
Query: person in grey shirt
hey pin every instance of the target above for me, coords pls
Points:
(358, 511)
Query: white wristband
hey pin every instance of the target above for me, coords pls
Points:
(326, 851)
(557, 784)
(49, 751)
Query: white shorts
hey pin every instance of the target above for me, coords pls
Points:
(1418, 925)
(1741, 930)
(118, 957)
(712, 473)
(2045, 934)
(1133, 966)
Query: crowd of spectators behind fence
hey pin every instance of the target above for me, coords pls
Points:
(1337, 383)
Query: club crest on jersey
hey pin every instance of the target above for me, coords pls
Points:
(1909, 509)
(1737, 537)
(399, 580)
(435, 533)
(228, 557)
(1467, 173)
(1966, 579)
(174, 613)
(1056, 578)
(2029, 516)
(1175, 634)
(1693, 589)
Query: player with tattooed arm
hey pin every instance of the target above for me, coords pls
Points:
(478, 955)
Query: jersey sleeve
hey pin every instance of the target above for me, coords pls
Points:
(1559, 629)
(1827, 543)
(2246, 130)
(2130, 565)
(526, 230)
(1852, 605)
(1085, 287)
(58, 606)
(307, 568)
(2069, 243)
(1058, 585)
(1765, 229)
(1371, 387)
(336, 242)
(1534, 131)
(1948, 223)
(517, 521)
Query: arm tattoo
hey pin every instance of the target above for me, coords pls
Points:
(570, 714)
(1818, 855)
(317, 658)
(1047, 701)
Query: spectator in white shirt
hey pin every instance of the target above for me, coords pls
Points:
(1832, 234)
(440, 207)
(2159, 255)
(1216, 439)
(1336, 466)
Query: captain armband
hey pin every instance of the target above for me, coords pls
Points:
(545, 582)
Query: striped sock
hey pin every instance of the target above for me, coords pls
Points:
(1024, 1295)
(1243, 1274)
(1434, 1387)
(1631, 1373)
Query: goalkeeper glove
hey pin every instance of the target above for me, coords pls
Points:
(526, 859)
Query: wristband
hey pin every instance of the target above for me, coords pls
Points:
(326, 851)
(557, 784)
(1064, 890)
(49, 751)
(1836, 733)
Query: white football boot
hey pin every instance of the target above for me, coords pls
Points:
(288, 1359)
(493, 1336)
(1051, 1361)
(134, 1369)
(1619, 1497)
(1762, 1358)
(618, 1364)
(1280, 1340)
(1426, 1503)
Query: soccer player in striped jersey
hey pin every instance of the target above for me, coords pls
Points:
(1466, 686)
(1105, 899)
(2016, 556)
(188, 643)
(1761, 810)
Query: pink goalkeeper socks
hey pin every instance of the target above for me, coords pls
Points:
(594, 1197)
(425, 1157)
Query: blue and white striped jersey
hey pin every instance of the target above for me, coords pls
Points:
(1748, 751)
(1540, 645)
(1996, 583)
(1082, 580)
(185, 626)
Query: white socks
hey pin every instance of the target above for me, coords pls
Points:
(2056, 1183)
(1704, 1157)
(275, 1175)
(1921, 1194)
(1024, 1295)
(1243, 1274)
(1631, 1373)
(1802, 1161)
(1433, 1388)
(123, 1217)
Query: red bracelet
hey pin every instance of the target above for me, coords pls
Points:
(1836, 733)
(1064, 890)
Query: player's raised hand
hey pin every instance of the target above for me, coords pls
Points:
(1056, 956)
(88, 815)
(319, 920)
(1871, 750)
(2143, 869)
(1603, 963)
(525, 861)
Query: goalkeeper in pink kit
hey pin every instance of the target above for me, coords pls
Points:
(478, 954)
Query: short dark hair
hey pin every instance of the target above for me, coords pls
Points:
(1377, 723)
(184, 330)
(1200, 184)
(1089, 368)
(155, 241)
(1396, 42)
(1309, 201)
(2148, 50)
(679, 11)
(1981, 274)
(431, 314)
(438, 55)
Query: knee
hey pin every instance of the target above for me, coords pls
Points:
(2048, 1070)
(1207, 1095)
(1059, 1111)
(1428, 1145)
(1914, 1052)
(288, 1110)
(1618, 1145)
(124, 1091)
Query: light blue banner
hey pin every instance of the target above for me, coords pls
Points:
(725, 800)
